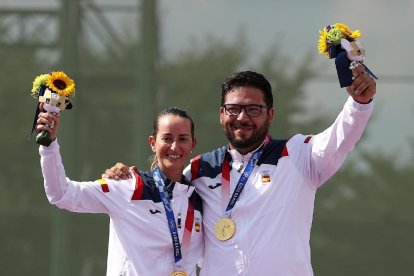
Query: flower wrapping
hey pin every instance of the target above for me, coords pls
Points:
(340, 42)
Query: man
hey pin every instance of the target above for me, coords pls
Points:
(258, 193)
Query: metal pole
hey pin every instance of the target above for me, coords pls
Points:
(146, 80)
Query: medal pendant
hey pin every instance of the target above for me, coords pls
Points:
(179, 273)
(225, 229)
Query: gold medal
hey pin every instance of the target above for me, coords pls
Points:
(225, 229)
(179, 273)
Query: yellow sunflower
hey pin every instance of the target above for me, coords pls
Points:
(323, 42)
(347, 31)
(322, 45)
(61, 84)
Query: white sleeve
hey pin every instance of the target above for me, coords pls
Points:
(322, 156)
(106, 196)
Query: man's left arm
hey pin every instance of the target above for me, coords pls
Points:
(330, 148)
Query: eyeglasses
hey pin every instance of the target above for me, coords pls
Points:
(252, 110)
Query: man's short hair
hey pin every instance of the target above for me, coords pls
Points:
(247, 79)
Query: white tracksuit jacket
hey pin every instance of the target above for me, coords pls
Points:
(139, 238)
(274, 213)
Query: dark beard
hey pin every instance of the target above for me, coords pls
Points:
(248, 144)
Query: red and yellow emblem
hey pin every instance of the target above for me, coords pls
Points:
(104, 185)
(197, 225)
(265, 177)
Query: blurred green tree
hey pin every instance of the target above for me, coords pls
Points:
(364, 221)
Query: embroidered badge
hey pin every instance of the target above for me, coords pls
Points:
(179, 220)
(197, 224)
(265, 176)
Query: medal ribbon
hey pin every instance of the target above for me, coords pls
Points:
(178, 248)
(225, 179)
(189, 222)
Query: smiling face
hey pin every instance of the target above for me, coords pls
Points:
(173, 144)
(52, 101)
(243, 132)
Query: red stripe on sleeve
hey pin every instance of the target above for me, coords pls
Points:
(284, 151)
(104, 185)
(105, 188)
(195, 165)
(139, 187)
(307, 139)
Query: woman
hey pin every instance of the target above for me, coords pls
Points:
(155, 218)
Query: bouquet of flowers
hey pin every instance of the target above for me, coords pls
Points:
(340, 42)
(52, 91)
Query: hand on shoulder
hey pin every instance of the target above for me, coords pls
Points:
(119, 171)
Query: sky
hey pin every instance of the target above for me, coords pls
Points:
(294, 25)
